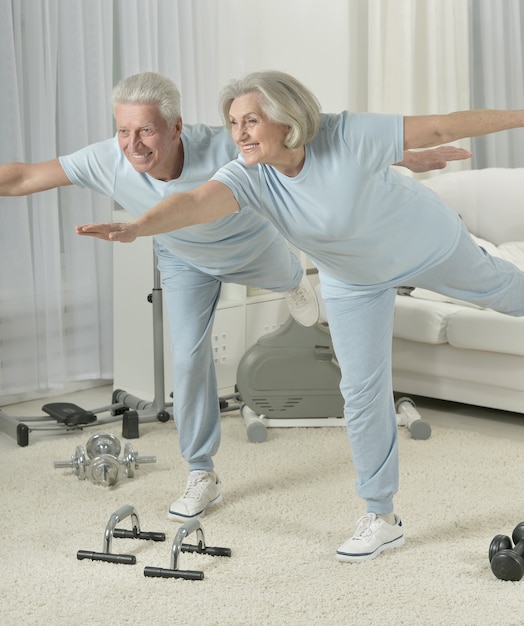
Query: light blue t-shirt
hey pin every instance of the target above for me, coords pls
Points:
(359, 220)
(219, 247)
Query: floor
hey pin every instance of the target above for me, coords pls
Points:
(446, 414)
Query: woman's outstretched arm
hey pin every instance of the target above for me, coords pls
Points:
(206, 203)
(424, 131)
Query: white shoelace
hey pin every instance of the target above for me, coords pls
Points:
(298, 297)
(364, 526)
(196, 485)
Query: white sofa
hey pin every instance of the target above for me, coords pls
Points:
(455, 351)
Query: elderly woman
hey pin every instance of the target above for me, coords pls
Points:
(326, 184)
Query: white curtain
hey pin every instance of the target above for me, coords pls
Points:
(55, 290)
(497, 76)
(417, 58)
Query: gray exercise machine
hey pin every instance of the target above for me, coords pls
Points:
(290, 377)
(65, 417)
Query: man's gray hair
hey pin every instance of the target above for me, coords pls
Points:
(284, 100)
(150, 88)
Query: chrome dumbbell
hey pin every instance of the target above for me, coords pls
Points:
(101, 463)
(131, 460)
(103, 470)
(103, 450)
(98, 445)
(79, 462)
(103, 443)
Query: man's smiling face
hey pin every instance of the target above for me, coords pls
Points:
(146, 140)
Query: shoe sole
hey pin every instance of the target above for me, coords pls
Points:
(357, 558)
(178, 517)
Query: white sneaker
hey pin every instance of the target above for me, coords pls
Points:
(372, 536)
(303, 303)
(202, 491)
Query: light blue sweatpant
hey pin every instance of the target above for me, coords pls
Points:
(361, 325)
(191, 297)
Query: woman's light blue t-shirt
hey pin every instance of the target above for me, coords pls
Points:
(360, 221)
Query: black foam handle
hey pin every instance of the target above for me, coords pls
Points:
(159, 572)
(213, 551)
(124, 559)
(121, 533)
(217, 551)
(153, 536)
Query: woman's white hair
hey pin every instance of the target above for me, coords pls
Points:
(150, 88)
(284, 100)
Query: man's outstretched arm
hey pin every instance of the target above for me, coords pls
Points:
(22, 179)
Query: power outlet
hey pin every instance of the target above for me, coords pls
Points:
(269, 328)
(220, 349)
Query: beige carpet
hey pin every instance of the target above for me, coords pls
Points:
(288, 504)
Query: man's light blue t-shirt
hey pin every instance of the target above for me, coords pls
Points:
(359, 220)
(218, 247)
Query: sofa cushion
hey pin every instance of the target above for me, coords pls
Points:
(488, 246)
(422, 320)
(488, 200)
(484, 329)
(512, 251)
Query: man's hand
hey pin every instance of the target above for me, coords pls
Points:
(434, 159)
(125, 232)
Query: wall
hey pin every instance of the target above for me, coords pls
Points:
(388, 56)
(306, 38)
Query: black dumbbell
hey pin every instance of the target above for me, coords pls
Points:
(507, 562)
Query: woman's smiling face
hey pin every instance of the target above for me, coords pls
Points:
(259, 139)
